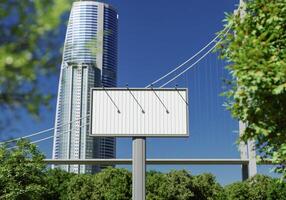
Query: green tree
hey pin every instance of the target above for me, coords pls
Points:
(178, 185)
(112, 184)
(237, 191)
(259, 187)
(257, 62)
(22, 172)
(206, 187)
(266, 188)
(29, 49)
(57, 184)
(278, 190)
(182, 185)
(80, 187)
(153, 185)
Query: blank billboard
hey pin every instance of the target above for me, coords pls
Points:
(141, 112)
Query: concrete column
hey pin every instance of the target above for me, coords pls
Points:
(252, 166)
(138, 168)
(247, 151)
(243, 152)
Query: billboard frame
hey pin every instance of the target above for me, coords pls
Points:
(140, 135)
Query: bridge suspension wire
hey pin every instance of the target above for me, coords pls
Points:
(191, 58)
(43, 131)
(192, 65)
(210, 122)
(27, 136)
(49, 137)
(169, 73)
(224, 32)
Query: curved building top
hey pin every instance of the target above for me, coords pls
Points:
(95, 2)
(92, 28)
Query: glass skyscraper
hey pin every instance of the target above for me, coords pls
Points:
(89, 60)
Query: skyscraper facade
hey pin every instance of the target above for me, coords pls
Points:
(89, 60)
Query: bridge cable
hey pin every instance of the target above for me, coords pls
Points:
(224, 32)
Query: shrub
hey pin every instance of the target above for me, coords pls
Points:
(206, 187)
(237, 191)
(22, 172)
(182, 185)
(80, 187)
(112, 184)
(259, 187)
(57, 184)
(153, 185)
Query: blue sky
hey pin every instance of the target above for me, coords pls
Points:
(154, 37)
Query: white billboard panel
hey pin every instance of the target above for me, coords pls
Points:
(131, 112)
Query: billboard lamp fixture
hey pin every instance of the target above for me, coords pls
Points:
(118, 111)
(176, 87)
(167, 111)
(142, 110)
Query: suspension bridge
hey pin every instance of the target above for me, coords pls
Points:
(195, 73)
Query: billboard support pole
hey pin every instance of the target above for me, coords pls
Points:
(138, 168)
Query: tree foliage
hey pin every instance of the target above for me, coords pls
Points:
(113, 184)
(206, 187)
(23, 175)
(154, 185)
(258, 187)
(179, 185)
(57, 182)
(256, 52)
(29, 49)
(22, 172)
(237, 191)
(80, 187)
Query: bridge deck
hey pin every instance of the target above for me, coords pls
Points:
(153, 162)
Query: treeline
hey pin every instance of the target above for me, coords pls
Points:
(24, 176)
(115, 184)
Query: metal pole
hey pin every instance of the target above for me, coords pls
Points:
(138, 168)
